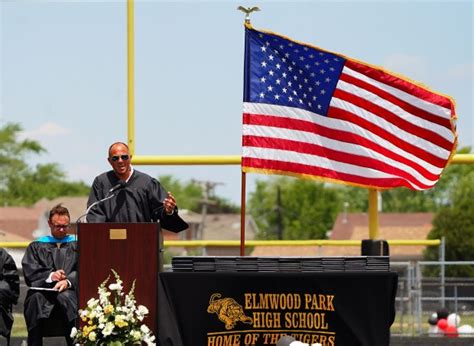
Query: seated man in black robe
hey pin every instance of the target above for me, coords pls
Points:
(9, 291)
(137, 197)
(50, 270)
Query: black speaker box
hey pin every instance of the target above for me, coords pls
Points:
(370, 247)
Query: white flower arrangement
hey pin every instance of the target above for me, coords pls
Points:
(113, 318)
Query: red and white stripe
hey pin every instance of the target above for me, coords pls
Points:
(381, 131)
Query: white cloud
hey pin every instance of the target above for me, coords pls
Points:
(411, 66)
(462, 71)
(48, 129)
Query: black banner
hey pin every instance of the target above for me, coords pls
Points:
(217, 309)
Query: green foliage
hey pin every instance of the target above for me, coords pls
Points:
(23, 185)
(307, 208)
(405, 200)
(13, 152)
(355, 198)
(222, 205)
(46, 181)
(455, 222)
(188, 195)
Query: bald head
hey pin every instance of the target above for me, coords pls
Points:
(113, 145)
(120, 160)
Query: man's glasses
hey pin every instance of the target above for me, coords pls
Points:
(59, 227)
(123, 157)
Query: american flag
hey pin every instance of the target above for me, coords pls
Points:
(315, 114)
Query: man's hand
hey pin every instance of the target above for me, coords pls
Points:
(169, 203)
(61, 285)
(58, 275)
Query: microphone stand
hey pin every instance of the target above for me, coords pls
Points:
(109, 195)
(91, 206)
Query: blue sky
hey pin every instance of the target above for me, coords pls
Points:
(63, 71)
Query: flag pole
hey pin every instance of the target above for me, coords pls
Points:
(242, 214)
(247, 12)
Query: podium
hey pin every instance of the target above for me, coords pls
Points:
(132, 250)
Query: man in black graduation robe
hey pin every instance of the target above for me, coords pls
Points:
(50, 270)
(137, 197)
(9, 291)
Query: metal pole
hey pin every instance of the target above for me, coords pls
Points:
(419, 306)
(279, 220)
(242, 215)
(456, 300)
(131, 77)
(442, 258)
(410, 292)
(373, 214)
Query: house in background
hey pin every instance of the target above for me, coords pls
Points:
(355, 226)
(214, 227)
(406, 226)
(24, 224)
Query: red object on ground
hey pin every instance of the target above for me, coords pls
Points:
(442, 324)
(451, 332)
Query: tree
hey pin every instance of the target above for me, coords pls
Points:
(13, 152)
(22, 185)
(307, 208)
(455, 222)
(357, 198)
(189, 195)
(404, 200)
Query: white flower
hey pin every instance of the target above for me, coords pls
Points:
(109, 327)
(102, 319)
(149, 339)
(136, 335)
(142, 310)
(92, 336)
(114, 317)
(92, 303)
(115, 287)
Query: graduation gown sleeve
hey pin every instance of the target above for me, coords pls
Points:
(9, 291)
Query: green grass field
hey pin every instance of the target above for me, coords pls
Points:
(19, 326)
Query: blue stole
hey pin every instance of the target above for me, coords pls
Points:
(50, 239)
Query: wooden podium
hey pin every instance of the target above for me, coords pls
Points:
(132, 250)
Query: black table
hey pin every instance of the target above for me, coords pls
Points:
(332, 308)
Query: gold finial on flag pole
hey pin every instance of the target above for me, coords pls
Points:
(247, 11)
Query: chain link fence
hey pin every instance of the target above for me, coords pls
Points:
(418, 297)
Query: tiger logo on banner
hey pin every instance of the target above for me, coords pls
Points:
(228, 311)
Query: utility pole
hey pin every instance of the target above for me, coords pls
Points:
(207, 190)
(278, 211)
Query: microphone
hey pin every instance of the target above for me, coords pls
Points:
(110, 194)
(119, 185)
